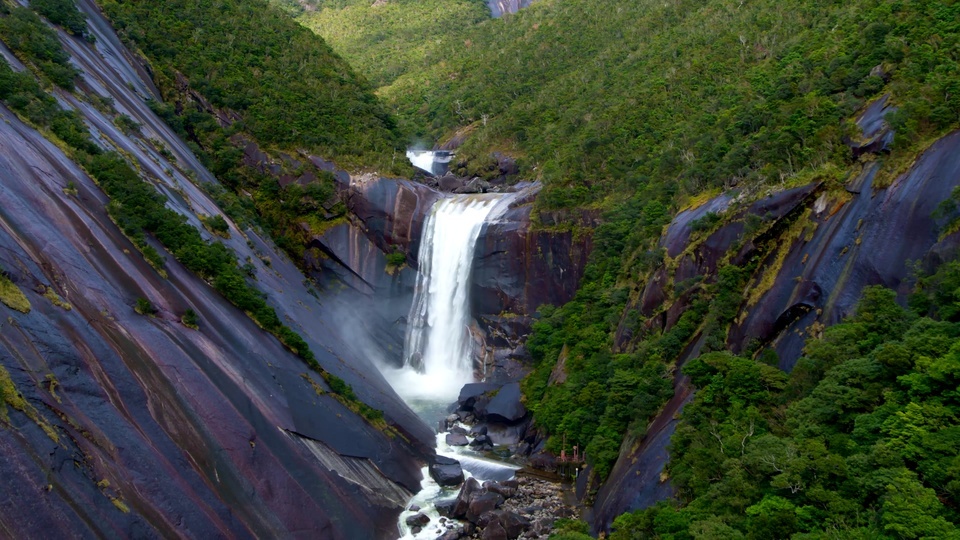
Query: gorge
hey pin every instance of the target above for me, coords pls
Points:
(711, 246)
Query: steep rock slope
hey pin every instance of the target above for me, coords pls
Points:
(220, 431)
(819, 250)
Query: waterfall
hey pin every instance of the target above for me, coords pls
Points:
(438, 350)
(421, 159)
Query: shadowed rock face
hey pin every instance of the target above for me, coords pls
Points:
(516, 269)
(391, 211)
(869, 240)
(156, 429)
(822, 250)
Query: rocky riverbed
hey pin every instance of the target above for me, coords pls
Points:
(522, 507)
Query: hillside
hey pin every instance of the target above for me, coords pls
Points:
(385, 40)
(166, 369)
(746, 215)
(658, 115)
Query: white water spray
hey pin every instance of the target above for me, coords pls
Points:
(421, 159)
(438, 352)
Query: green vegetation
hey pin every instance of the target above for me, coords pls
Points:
(36, 45)
(190, 319)
(289, 88)
(859, 441)
(279, 87)
(144, 307)
(385, 40)
(139, 210)
(396, 260)
(11, 295)
(601, 98)
(63, 13)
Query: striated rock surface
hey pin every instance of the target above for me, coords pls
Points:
(139, 426)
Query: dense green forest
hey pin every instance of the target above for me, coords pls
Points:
(600, 97)
(637, 109)
(630, 109)
(386, 40)
(291, 91)
(859, 441)
(292, 94)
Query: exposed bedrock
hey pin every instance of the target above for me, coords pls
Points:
(390, 211)
(516, 267)
(139, 426)
(142, 426)
(816, 250)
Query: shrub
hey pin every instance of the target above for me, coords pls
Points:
(144, 307)
(190, 319)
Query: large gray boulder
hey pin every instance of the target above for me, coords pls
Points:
(446, 471)
(506, 406)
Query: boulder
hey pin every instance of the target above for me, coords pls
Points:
(482, 502)
(495, 531)
(503, 488)
(450, 182)
(451, 534)
(505, 406)
(462, 502)
(478, 430)
(446, 471)
(445, 508)
(417, 520)
(481, 442)
(487, 518)
(457, 439)
(470, 392)
(513, 524)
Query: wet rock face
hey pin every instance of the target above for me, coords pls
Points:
(228, 395)
(142, 426)
(876, 134)
(518, 269)
(391, 211)
(505, 406)
(496, 412)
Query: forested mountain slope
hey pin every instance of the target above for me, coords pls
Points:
(643, 111)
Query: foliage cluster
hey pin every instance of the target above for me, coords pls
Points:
(698, 92)
(859, 441)
(291, 91)
(63, 13)
(35, 43)
(11, 295)
(386, 40)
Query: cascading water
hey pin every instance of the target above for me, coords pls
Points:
(438, 357)
(438, 350)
